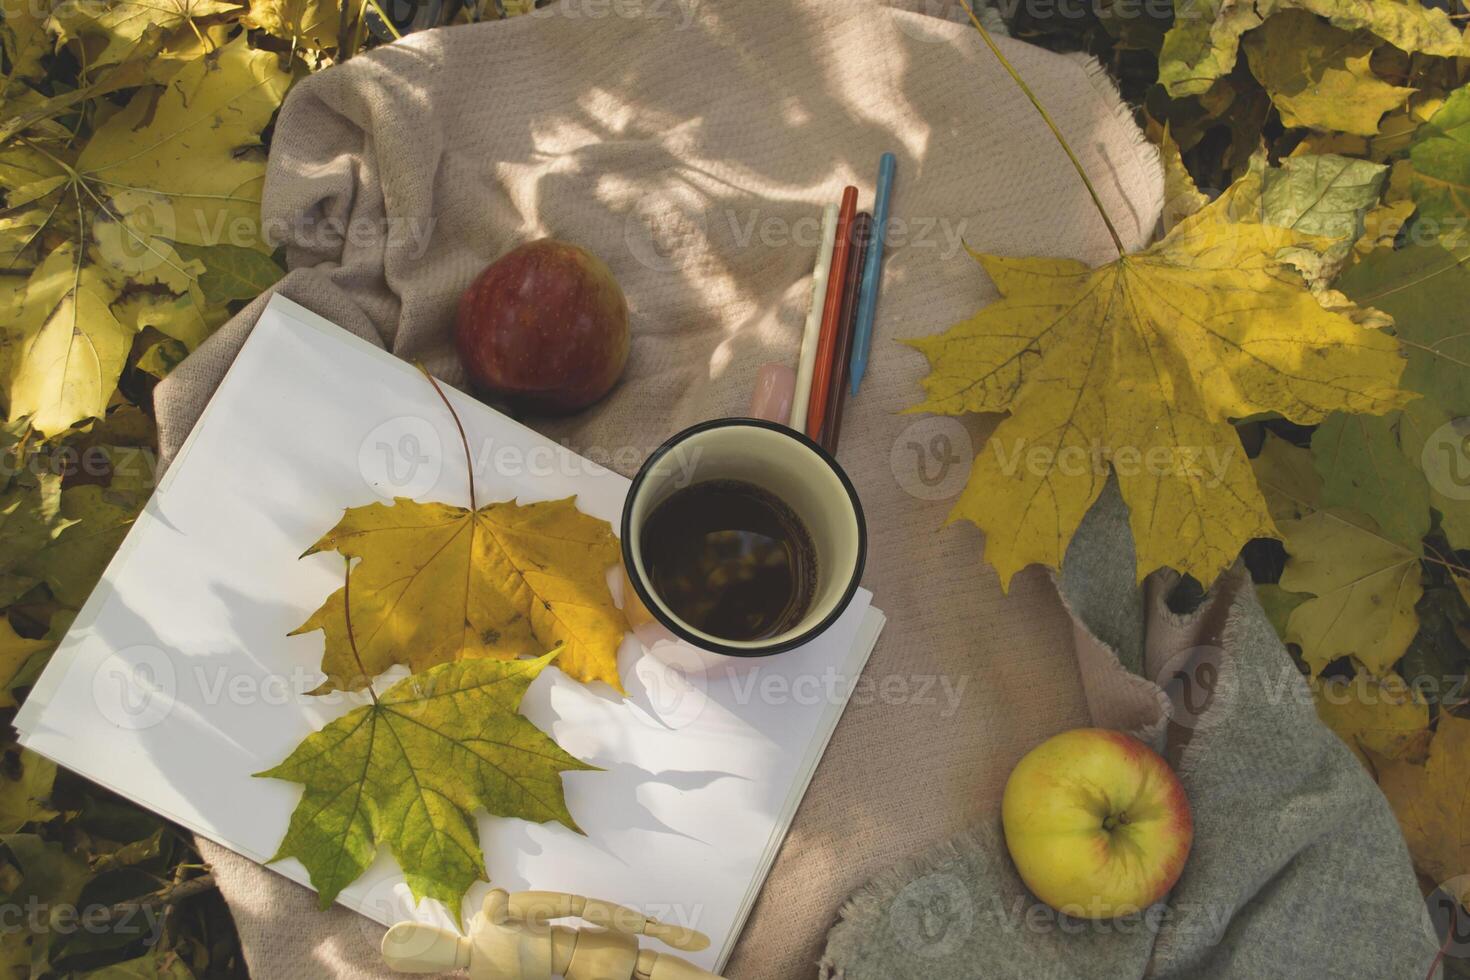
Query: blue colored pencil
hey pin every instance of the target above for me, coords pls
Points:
(872, 272)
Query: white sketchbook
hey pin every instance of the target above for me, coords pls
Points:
(178, 680)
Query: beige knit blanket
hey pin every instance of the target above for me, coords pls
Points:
(691, 144)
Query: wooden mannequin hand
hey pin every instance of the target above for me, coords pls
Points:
(512, 938)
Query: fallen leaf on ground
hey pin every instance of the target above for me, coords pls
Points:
(30, 519)
(99, 520)
(26, 798)
(69, 347)
(1278, 604)
(1364, 470)
(110, 32)
(1319, 76)
(1441, 180)
(1181, 197)
(230, 271)
(1292, 485)
(1323, 196)
(412, 770)
(1416, 285)
(1379, 714)
(308, 24)
(1437, 664)
(1432, 803)
(1365, 587)
(15, 650)
(1205, 39)
(185, 166)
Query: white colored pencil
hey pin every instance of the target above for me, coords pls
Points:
(808, 362)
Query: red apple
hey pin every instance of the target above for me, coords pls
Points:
(1097, 823)
(544, 328)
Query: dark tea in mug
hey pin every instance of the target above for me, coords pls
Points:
(731, 559)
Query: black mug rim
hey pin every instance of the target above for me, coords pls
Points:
(705, 642)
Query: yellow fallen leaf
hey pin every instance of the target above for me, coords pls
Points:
(1432, 803)
(1395, 132)
(34, 185)
(438, 583)
(1365, 586)
(184, 166)
(1205, 39)
(1181, 197)
(187, 318)
(15, 650)
(311, 25)
(1292, 485)
(1380, 714)
(24, 40)
(1381, 226)
(111, 31)
(1318, 76)
(1137, 367)
(27, 797)
(69, 347)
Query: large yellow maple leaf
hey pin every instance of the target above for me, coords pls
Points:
(437, 583)
(1137, 367)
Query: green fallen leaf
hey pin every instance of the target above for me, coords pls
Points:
(412, 770)
(98, 521)
(1417, 285)
(1437, 663)
(157, 964)
(15, 651)
(1325, 196)
(52, 879)
(26, 798)
(231, 272)
(30, 519)
(1363, 469)
(1441, 179)
(1279, 604)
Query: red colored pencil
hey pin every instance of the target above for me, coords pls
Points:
(831, 315)
(862, 231)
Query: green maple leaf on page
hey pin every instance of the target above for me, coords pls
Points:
(410, 771)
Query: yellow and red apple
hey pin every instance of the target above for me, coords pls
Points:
(1097, 823)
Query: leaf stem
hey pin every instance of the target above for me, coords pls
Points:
(347, 617)
(1046, 118)
(469, 462)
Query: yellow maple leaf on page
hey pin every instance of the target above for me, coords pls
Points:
(1137, 367)
(437, 583)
